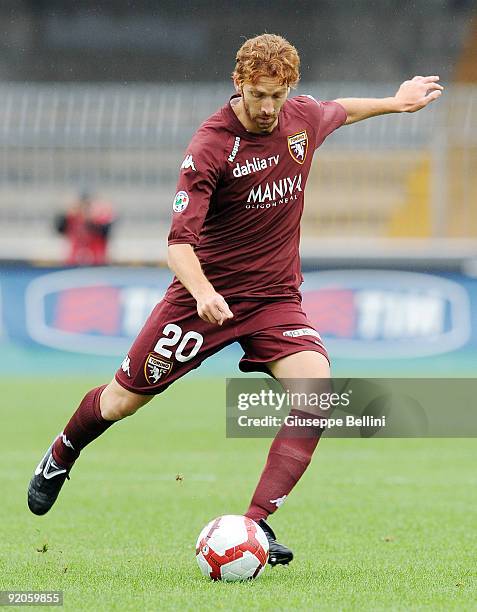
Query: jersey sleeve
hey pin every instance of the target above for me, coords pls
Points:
(326, 117)
(198, 178)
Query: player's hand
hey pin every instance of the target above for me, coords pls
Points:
(213, 308)
(417, 93)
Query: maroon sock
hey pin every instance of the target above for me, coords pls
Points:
(85, 425)
(289, 456)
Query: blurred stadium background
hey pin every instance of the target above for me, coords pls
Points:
(106, 95)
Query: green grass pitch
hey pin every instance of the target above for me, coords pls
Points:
(375, 524)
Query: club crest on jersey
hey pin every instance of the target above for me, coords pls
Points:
(156, 368)
(181, 201)
(298, 146)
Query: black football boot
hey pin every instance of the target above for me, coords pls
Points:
(46, 484)
(278, 554)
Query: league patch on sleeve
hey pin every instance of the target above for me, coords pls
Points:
(181, 201)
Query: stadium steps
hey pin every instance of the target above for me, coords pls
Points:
(466, 68)
(412, 219)
(357, 193)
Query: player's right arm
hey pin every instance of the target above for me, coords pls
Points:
(197, 182)
(211, 306)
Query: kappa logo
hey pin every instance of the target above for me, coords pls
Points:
(298, 146)
(279, 501)
(126, 365)
(181, 201)
(234, 152)
(66, 442)
(188, 163)
(156, 368)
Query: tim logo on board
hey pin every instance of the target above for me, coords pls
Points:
(387, 314)
(91, 310)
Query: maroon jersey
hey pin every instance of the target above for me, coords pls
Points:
(240, 199)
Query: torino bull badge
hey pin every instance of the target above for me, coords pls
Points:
(155, 368)
(298, 146)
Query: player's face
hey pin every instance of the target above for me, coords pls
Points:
(262, 103)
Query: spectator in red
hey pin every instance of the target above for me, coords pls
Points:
(87, 227)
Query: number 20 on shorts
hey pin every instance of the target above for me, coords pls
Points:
(172, 336)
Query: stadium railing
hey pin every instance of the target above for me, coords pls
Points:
(398, 182)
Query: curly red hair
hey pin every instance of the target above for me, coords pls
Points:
(267, 55)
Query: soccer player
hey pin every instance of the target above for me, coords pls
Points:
(233, 247)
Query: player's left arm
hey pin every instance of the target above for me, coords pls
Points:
(411, 96)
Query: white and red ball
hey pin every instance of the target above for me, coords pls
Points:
(231, 548)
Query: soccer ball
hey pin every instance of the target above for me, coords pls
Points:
(232, 548)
